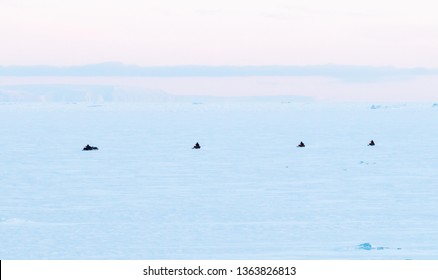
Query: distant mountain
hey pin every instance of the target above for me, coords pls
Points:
(110, 93)
(79, 93)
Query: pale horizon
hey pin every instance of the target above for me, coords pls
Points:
(399, 36)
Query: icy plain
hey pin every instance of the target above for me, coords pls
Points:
(249, 193)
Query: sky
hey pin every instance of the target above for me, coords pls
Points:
(377, 33)
(226, 32)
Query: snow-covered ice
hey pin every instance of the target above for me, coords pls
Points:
(249, 193)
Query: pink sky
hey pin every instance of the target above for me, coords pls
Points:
(227, 32)
(231, 32)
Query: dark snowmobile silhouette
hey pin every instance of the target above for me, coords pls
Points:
(371, 143)
(89, 148)
(197, 146)
(301, 145)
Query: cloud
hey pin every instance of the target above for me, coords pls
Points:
(346, 73)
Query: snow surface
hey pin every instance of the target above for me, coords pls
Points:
(249, 193)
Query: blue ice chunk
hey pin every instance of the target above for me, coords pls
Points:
(365, 246)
